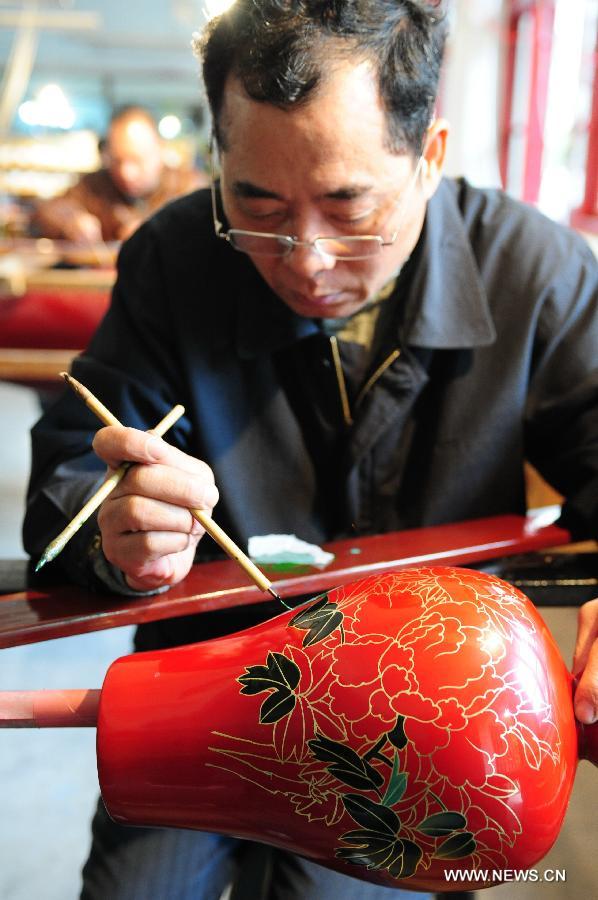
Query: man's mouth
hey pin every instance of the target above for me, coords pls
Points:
(321, 298)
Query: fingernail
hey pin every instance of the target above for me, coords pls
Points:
(211, 496)
(585, 712)
(153, 448)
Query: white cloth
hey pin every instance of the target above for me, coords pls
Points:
(286, 548)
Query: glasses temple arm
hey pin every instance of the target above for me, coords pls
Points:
(218, 225)
(405, 196)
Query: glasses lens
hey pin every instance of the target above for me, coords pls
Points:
(259, 244)
(350, 247)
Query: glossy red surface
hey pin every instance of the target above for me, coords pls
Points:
(52, 318)
(393, 728)
(38, 615)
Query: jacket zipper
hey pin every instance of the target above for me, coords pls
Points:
(342, 384)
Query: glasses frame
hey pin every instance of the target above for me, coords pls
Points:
(289, 242)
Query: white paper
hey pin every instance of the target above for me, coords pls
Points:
(286, 548)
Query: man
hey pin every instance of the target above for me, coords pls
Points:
(108, 205)
(360, 346)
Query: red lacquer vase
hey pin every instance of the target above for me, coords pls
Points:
(392, 729)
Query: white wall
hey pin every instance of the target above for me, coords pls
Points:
(471, 89)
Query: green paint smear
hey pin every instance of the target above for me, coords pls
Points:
(295, 568)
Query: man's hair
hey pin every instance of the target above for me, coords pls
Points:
(282, 50)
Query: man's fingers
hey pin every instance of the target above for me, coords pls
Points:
(167, 473)
(146, 574)
(587, 632)
(585, 663)
(136, 554)
(134, 513)
(86, 227)
(586, 694)
(147, 529)
(170, 485)
(116, 444)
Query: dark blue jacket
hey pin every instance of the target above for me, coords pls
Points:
(496, 319)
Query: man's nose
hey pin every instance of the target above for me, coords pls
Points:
(307, 260)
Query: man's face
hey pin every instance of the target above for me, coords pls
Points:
(320, 170)
(134, 157)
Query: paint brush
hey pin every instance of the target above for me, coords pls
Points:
(214, 530)
(59, 543)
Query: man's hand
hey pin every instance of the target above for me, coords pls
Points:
(83, 228)
(128, 223)
(585, 663)
(147, 529)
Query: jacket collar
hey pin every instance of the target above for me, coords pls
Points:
(446, 306)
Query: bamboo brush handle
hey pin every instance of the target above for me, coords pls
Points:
(229, 547)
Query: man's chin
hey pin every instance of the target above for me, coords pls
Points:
(323, 306)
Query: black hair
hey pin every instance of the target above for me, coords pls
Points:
(282, 50)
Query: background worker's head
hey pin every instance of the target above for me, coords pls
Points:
(133, 152)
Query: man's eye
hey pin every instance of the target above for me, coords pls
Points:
(261, 209)
(353, 215)
(356, 218)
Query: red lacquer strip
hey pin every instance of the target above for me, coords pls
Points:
(33, 616)
(57, 318)
(49, 709)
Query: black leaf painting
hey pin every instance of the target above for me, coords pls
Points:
(319, 620)
(281, 676)
(345, 764)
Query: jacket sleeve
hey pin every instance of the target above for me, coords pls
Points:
(131, 367)
(52, 218)
(562, 409)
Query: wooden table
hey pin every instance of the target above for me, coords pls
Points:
(47, 315)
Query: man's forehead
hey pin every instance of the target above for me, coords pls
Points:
(346, 90)
(136, 129)
(332, 146)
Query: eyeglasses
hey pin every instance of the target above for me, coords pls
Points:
(346, 247)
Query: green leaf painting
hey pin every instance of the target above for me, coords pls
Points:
(397, 784)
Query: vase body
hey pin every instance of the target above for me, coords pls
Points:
(393, 729)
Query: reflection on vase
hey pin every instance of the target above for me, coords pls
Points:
(393, 729)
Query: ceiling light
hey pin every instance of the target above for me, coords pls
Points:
(169, 127)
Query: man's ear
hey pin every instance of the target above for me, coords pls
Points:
(433, 156)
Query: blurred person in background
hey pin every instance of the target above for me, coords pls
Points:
(134, 181)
